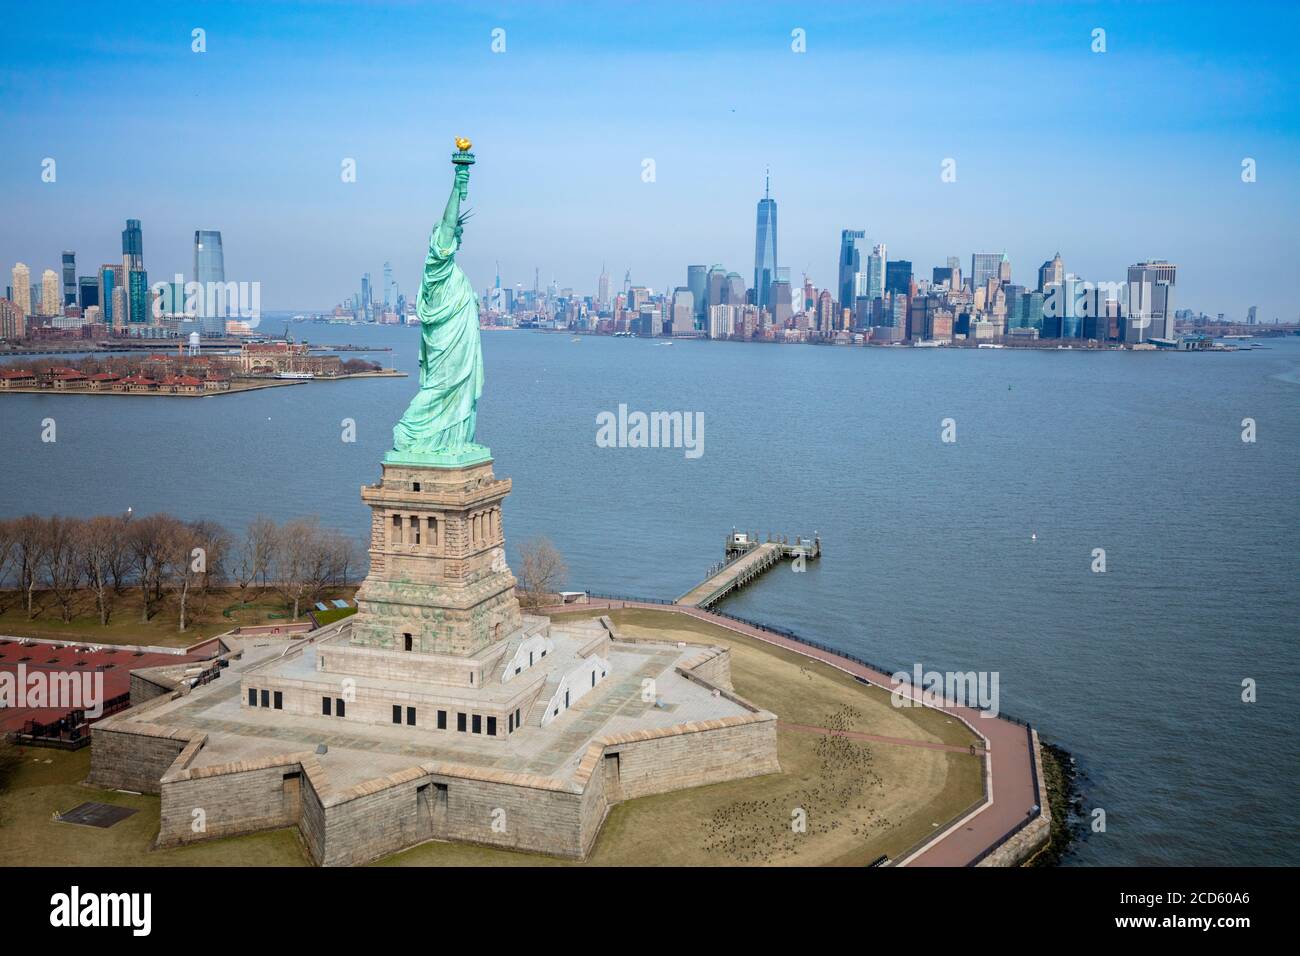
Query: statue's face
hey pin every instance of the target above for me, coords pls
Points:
(460, 231)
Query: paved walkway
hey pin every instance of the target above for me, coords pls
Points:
(1011, 778)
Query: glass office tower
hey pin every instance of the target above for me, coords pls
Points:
(210, 269)
(133, 245)
(852, 244)
(69, 278)
(765, 248)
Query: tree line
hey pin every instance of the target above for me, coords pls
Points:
(160, 555)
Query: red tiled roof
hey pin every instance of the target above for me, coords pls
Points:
(138, 380)
(103, 377)
(72, 659)
(18, 373)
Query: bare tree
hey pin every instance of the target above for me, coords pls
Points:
(293, 560)
(347, 557)
(118, 555)
(31, 540)
(215, 542)
(7, 551)
(541, 571)
(186, 562)
(308, 559)
(148, 543)
(102, 552)
(253, 556)
(62, 562)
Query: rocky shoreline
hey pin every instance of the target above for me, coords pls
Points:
(1060, 774)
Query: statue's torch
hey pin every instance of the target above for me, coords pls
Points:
(463, 157)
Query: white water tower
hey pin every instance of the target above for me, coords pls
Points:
(194, 343)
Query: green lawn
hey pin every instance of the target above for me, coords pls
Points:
(48, 782)
(333, 614)
(208, 616)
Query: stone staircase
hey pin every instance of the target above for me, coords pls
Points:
(538, 709)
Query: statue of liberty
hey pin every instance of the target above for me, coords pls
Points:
(438, 426)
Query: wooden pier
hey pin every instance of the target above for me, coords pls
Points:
(746, 557)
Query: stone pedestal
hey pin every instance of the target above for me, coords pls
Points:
(438, 581)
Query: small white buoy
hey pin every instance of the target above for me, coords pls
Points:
(1033, 536)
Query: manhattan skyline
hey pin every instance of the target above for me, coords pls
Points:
(1110, 158)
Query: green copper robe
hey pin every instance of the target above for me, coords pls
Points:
(438, 426)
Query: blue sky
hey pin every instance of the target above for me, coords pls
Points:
(1109, 157)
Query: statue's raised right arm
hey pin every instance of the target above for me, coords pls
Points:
(446, 234)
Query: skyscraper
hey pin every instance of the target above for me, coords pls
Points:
(12, 323)
(22, 288)
(69, 278)
(716, 288)
(876, 272)
(110, 283)
(852, 244)
(1051, 272)
(782, 296)
(722, 321)
(388, 286)
(133, 245)
(50, 298)
(765, 248)
(137, 284)
(984, 266)
(733, 293)
(209, 271)
(88, 287)
(825, 313)
(1150, 301)
(898, 276)
(683, 311)
(697, 280)
(602, 289)
(946, 275)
